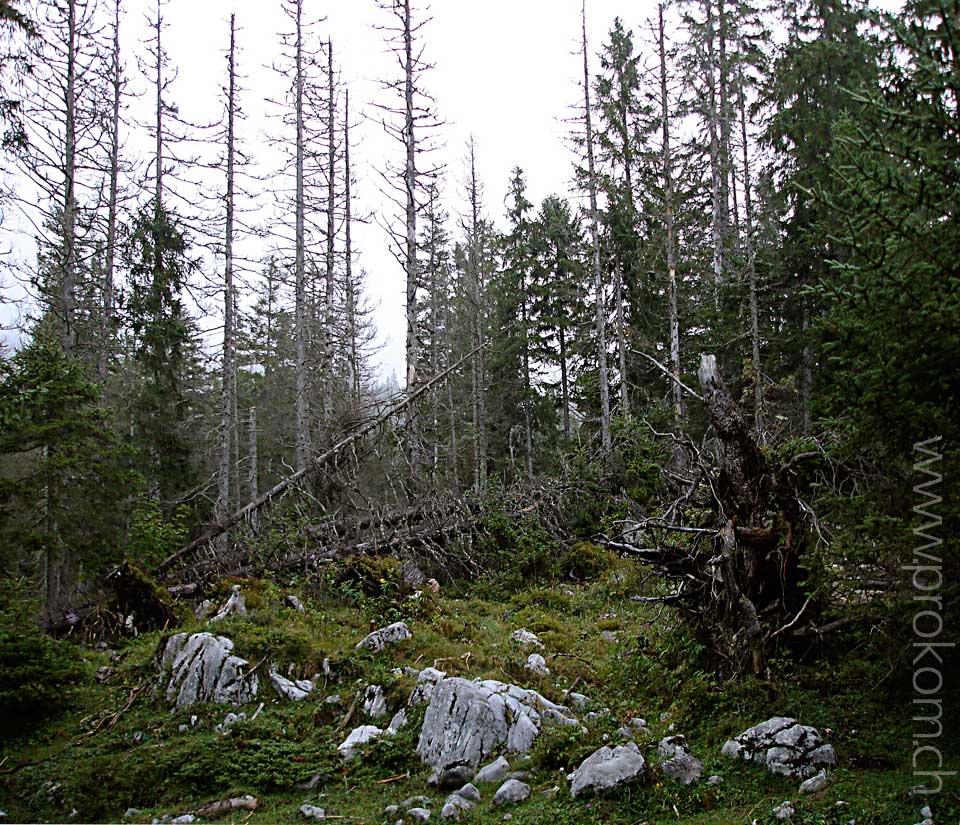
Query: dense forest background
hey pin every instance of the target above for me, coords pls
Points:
(788, 205)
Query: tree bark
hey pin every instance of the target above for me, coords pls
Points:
(601, 316)
(300, 320)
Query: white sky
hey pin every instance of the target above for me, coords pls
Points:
(505, 71)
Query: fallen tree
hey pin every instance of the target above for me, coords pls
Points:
(739, 579)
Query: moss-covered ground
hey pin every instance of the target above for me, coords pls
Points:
(119, 746)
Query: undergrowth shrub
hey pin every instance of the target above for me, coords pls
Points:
(39, 675)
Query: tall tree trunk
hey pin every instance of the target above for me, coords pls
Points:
(228, 398)
(751, 270)
(527, 388)
(564, 386)
(715, 171)
(107, 344)
(410, 181)
(353, 358)
(478, 371)
(674, 318)
(601, 319)
(68, 286)
(726, 154)
(253, 466)
(300, 321)
(328, 319)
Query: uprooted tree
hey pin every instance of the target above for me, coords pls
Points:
(739, 580)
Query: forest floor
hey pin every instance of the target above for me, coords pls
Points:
(119, 746)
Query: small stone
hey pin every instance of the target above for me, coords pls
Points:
(398, 721)
(419, 814)
(507, 817)
(926, 813)
(313, 812)
(312, 782)
(537, 664)
(525, 637)
(333, 699)
(185, 819)
(815, 783)
(715, 779)
(374, 702)
(449, 811)
(469, 791)
(204, 609)
(784, 810)
(138, 737)
(236, 604)
(608, 636)
(391, 810)
(130, 813)
(496, 771)
(511, 792)
(458, 802)
(183, 728)
(378, 640)
(103, 674)
(358, 736)
(415, 802)
(295, 603)
(578, 700)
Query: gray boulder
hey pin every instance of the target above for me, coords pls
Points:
(201, 668)
(295, 603)
(427, 682)
(783, 746)
(470, 792)
(511, 792)
(467, 721)
(494, 772)
(398, 721)
(525, 637)
(313, 812)
(287, 689)
(784, 810)
(608, 768)
(419, 814)
(680, 765)
(384, 637)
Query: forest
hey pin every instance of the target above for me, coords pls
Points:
(682, 435)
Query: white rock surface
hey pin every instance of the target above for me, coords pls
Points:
(784, 810)
(467, 721)
(287, 689)
(608, 768)
(496, 771)
(201, 668)
(374, 702)
(537, 664)
(313, 812)
(419, 814)
(358, 736)
(525, 638)
(384, 637)
(427, 681)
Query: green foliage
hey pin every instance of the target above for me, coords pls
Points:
(39, 675)
(154, 535)
(584, 560)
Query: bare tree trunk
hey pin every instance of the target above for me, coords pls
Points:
(353, 358)
(253, 467)
(106, 349)
(527, 388)
(726, 155)
(228, 400)
(601, 320)
(715, 172)
(751, 272)
(478, 371)
(328, 320)
(669, 224)
(410, 180)
(303, 426)
(68, 287)
(806, 380)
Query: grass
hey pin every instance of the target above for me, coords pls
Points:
(119, 746)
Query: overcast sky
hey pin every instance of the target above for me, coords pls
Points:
(506, 71)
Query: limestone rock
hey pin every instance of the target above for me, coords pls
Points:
(398, 721)
(815, 783)
(295, 603)
(494, 772)
(466, 721)
(783, 746)
(470, 792)
(236, 604)
(511, 792)
(537, 664)
(200, 667)
(313, 812)
(358, 736)
(286, 689)
(784, 810)
(374, 702)
(419, 814)
(427, 681)
(385, 636)
(525, 638)
(608, 768)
